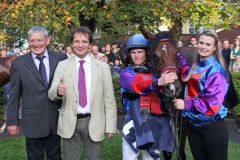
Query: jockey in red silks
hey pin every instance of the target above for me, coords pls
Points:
(146, 126)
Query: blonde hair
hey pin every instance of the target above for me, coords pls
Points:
(219, 58)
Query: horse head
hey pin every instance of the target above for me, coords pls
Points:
(163, 56)
(5, 66)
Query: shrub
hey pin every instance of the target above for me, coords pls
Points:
(117, 93)
(236, 82)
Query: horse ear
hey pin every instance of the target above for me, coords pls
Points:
(148, 35)
(176, 29)
(173, 30)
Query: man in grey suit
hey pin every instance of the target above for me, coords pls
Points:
(31, 76)
(89, 108)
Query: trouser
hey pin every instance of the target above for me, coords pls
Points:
(129, 154)
(81, 135)
(50, 144)
(209, 142)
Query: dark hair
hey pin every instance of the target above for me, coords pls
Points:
(83, 30)
(226, 40)
(193, 37)
(117, 58)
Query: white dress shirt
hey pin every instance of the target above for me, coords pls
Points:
(87, 70)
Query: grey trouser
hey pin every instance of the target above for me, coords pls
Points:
(81, 136)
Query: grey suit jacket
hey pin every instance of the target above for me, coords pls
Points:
(103, 105)
(39, 113)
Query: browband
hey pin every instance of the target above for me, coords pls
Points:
(164, 39)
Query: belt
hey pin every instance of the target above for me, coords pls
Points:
(80, 116)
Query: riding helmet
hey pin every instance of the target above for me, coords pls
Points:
(137, 41)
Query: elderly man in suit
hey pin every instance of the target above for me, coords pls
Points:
(89, 108)
(31, 76)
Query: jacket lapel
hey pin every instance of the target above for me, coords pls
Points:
(29, 63)
(73, 73)
(53, 61)
(94, 78)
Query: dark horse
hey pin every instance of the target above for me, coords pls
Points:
(5, 65)
(163, 56)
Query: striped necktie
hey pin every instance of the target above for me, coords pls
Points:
(42, 71)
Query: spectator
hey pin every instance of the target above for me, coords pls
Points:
(31, 75)
(231, 46)
(117, 67)
(103, 49)
(23, 52)
(226, 52)
(109, 53)
(69, 51)
(95, 52)
(3, 52)
(220, 46)
(179, 44)
(202, 106)
(115, 49)
(61, 48)
(106, 60)
(236, 65)
(89, 110)
(193, 42)
(235, 51)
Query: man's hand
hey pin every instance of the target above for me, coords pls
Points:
(61, 88)
(12, 130)
(166, 78)
(179, 104)
(109, 135)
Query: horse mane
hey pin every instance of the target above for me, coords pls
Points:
(189, 53)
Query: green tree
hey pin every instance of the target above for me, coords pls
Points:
(111, 17)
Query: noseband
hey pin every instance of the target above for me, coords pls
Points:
(169, 68)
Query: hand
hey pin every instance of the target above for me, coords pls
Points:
(61, 88)
(166, 78)
(109, 135)
(179, 104)
(13, 130)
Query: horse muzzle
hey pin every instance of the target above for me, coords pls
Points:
(172, 90)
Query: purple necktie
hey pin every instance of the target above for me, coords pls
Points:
(82, 86)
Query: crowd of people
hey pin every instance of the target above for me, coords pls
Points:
(69, 95)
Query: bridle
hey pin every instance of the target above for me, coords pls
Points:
(167, 101)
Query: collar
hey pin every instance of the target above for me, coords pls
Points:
(207, 61)
(45, 54)
(87, 59)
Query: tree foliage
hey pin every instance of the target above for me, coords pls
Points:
(111, 17)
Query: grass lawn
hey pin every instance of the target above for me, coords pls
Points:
(14, 149)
